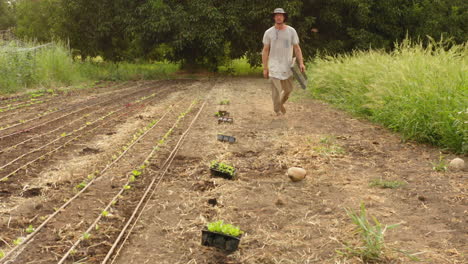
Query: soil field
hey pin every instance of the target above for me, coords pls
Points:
(120, 174)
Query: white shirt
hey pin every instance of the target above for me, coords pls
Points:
(281, 51)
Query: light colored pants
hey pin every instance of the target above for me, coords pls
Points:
(281, 89)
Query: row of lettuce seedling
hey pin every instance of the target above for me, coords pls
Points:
(25, 105)
(5, 150)
(81, 187)
(24, 121)
(132, 177)
(71, 140)
(54, 110)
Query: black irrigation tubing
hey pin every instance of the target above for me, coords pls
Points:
(87, 124)
(170, 159)
(54, 111)
(46, 133)
(5, 102)
(29, 237)
(144, 198)
(11, 112)
(77, 242)
(61, 146)
(47, 98)
(66, 143)
(4, 109)
(63, 116)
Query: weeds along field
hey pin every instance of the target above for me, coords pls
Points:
(419, 91)
(29, 65)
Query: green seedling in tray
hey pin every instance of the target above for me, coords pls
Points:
(227, 229)
(222, 167)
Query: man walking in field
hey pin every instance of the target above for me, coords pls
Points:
(279, 42)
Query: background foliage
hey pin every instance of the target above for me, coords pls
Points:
(209, 33)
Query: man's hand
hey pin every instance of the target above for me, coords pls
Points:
(265, 55)
(265, 73)
(302, 67)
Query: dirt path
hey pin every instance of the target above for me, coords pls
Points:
(301, 222)
(284, 222)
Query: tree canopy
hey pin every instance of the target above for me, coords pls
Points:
(210, 32)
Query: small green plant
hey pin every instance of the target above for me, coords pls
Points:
(30, 229)
(372, 246)
(136, 173)
(2, 254)
(384, 184)
(18, 241)
(218, 114)
(222, 167)
(81, 185)
(127, 187)
(64, 134)
(326, 146)
(132, 178)
(86, 236)
(221, 227)
(440, 165)
(105, 213)
(225, 102)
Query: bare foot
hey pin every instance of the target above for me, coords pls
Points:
(283, 110)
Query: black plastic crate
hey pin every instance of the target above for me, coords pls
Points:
(221, 241)
(224, 138)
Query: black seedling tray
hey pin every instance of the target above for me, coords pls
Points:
(217, 173)
(225, 120)
(224, 138)
(301, 77)
(222, 241)
(222, 114)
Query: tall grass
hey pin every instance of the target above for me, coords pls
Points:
(125, 71)
(51, 66)
(419, 91)
(371, 247)
(24, 66)
(240, 67)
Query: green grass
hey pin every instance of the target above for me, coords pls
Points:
(53, 66)
(240, 67)
(440, 165)
(327, 146)
(421, 92)
(371, 247)
(384, 184)
(46, 67)
(125, 71)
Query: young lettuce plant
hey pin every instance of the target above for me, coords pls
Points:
(30, 229)
(227, 229)
(225, 102)
(222, 167)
